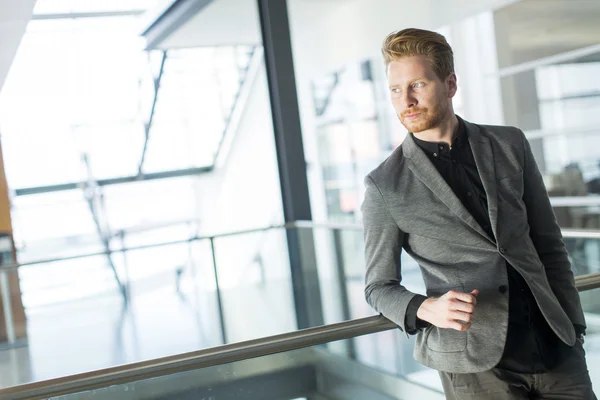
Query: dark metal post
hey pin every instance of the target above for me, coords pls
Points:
(290, 158)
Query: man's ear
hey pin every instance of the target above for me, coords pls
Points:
(451, 85)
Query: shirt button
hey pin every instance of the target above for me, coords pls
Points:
(435, 154)
(469, 194)
(502, 289)
(502, 250)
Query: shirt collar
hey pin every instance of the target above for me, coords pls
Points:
(433, 148)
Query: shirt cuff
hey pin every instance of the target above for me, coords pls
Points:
(413, 323)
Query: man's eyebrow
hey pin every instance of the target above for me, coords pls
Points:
(395, 84)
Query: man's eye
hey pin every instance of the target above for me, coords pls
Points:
(418, 85)
(395, 90)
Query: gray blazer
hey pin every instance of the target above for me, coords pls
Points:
(408, 205)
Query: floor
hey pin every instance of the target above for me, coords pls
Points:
(86, 335)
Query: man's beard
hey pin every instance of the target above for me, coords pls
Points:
(428, 118)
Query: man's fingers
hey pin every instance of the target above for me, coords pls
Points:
(460, 316)
(457, 305)
(465, 297)
(457, 326)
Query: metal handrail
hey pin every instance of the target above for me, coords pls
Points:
(587, 282)
(194, 238)
(567, 233)
(578, 234)
(197, 359)
(217, 355)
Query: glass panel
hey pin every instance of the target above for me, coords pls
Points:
(91, 100)
(590, 301)
(65, 281)
(584, 255)
(53, 225)
(148, 204)
(172, 294)
(256, 285)
(312, 372)
(197, 93)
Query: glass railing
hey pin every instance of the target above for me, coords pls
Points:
(204, 369)
(293, 365)
(203, 292)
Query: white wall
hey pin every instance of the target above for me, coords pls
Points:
(14, 16)
(244, 194)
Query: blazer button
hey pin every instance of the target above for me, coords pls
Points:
(502, 289)
(502, 250)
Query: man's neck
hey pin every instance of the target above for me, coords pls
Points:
(444, 132)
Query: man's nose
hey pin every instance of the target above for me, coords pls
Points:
(408, 100)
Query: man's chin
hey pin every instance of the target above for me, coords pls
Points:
(416, 127)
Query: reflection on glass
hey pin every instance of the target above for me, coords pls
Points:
(553, 100)
(255, 283)
(355, 131)
(197, 93)
(312, 372)
(584, 255)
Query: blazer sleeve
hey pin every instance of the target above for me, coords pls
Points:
(383, 246)
(547, 238)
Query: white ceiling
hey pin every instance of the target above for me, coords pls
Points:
(234, 22)
(14, 16)
(221, 23)
(536, 27)
(325, 33)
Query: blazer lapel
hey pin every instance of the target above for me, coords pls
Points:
(426, 172)
(484, 159)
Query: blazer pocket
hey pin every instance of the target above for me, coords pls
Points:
(445, 340)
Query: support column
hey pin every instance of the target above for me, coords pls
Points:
(12, 278)
(290, 158)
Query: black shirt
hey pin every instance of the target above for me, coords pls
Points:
(531, 345)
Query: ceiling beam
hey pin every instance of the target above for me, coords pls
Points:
(114, 181)
(169, 19)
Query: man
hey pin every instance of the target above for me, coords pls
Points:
(502, 319)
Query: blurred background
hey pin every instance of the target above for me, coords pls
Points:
(157, 167)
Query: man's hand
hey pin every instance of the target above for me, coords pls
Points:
(453, 310)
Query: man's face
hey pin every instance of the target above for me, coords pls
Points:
(420, 98)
